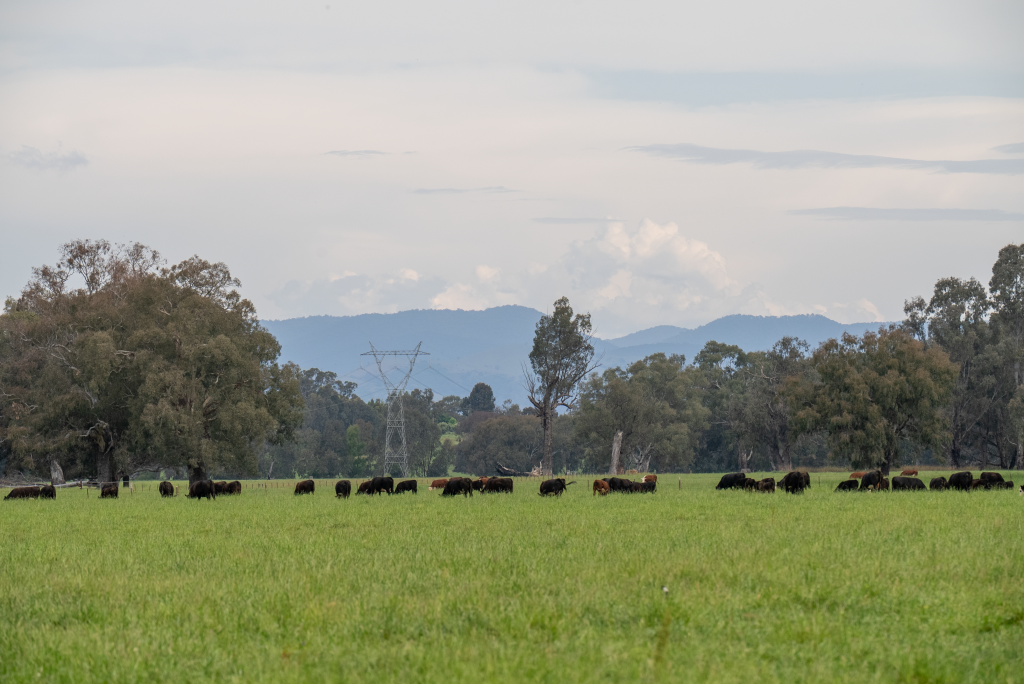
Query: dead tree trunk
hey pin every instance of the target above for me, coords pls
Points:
(56, 472)
(616, 446)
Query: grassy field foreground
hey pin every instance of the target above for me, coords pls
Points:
(266, 586)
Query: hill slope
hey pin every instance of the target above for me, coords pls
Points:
(466, 347)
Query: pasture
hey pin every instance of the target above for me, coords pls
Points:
(271, 587)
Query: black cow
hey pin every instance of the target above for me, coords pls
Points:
(498, 484)
(961, 481)
(364, 487)
(729, 481)
(991, 477)
(234, 487)
(872, 479)
(305, 487)
(848, 486)
(48, 492)
(793, 482)
(220, 487)
(202, 488)
(23, 493)
(406, 486)
(1007, 484)
(385, 483)
(648, 487)
(342, 489)
(749, 484)
(109, 491)
(938, 484)
(907, 484)
(166, 488)
(555, 486)
(766, 485)
(458, 485)
(619, 484)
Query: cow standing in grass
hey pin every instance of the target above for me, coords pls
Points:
(458, 485)
(961, 481)
(23, 493)
(848, 486)
(938, 484)
(554, 487)
(108, 491)
(731, 480)
(166, 489)
(342, 489)
(601, 487)
(305, 487)
(202, 489)
(406, 486)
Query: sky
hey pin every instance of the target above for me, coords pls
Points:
(656, 162)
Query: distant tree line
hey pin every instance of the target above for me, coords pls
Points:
(143, 367)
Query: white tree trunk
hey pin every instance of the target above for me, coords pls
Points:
(56, 473)
(616, 446)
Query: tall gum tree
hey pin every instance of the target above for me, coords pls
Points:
(1006, 290)
(140, 368)
(562, 356)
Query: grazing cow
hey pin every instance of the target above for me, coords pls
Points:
(384, 483)
(478, 485)
(342, 489)
(749, 484)
(961, 481)
(555, 486)
(305, 487)
(907, 484)
(938, 484)
(857, 475)
(766, 485)
(220, 487)
(234, 487)
(601, 487)
(108, 491)
(909, 472)
(364, 488)
(807, 479)
(883, 484)
(458, 485)
(48, 492)
(619, 484)
(406, 486)
(166, 488)
(650, 478)
(499, 484)
(870, 479)
(976, 484)
(648, 487)
(202, 488)
(731, 480)
(23, 493)
(848, 486)
(991, 477)
(437, 484)
(793, 482)
(1003, 485)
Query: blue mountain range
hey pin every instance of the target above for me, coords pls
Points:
(467, 347)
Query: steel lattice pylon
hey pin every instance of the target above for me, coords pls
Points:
(395, 450)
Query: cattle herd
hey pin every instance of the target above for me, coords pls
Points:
(868, 481)
(794, 483)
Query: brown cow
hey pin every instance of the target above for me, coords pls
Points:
(166, 488)
(305, 487)
(909, 472)
(220, 487)
(364, 488)
(601, 487)
(766, 485)
(857, 475)
(234, 487)
(650, 478)
(23, 493)
(438, 484)
(108, 491)
(48, 492)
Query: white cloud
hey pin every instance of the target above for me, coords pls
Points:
(58, 160)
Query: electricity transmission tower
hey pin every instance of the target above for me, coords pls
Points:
(395, 450)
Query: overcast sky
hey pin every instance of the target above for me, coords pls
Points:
(657, 162)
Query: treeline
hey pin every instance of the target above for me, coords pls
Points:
(145, 367)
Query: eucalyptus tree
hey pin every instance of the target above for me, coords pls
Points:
(562, 356)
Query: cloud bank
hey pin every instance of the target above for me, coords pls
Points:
(873, 214)
(815, 159)
(59, 160)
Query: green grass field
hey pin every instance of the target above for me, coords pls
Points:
(267, 586)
